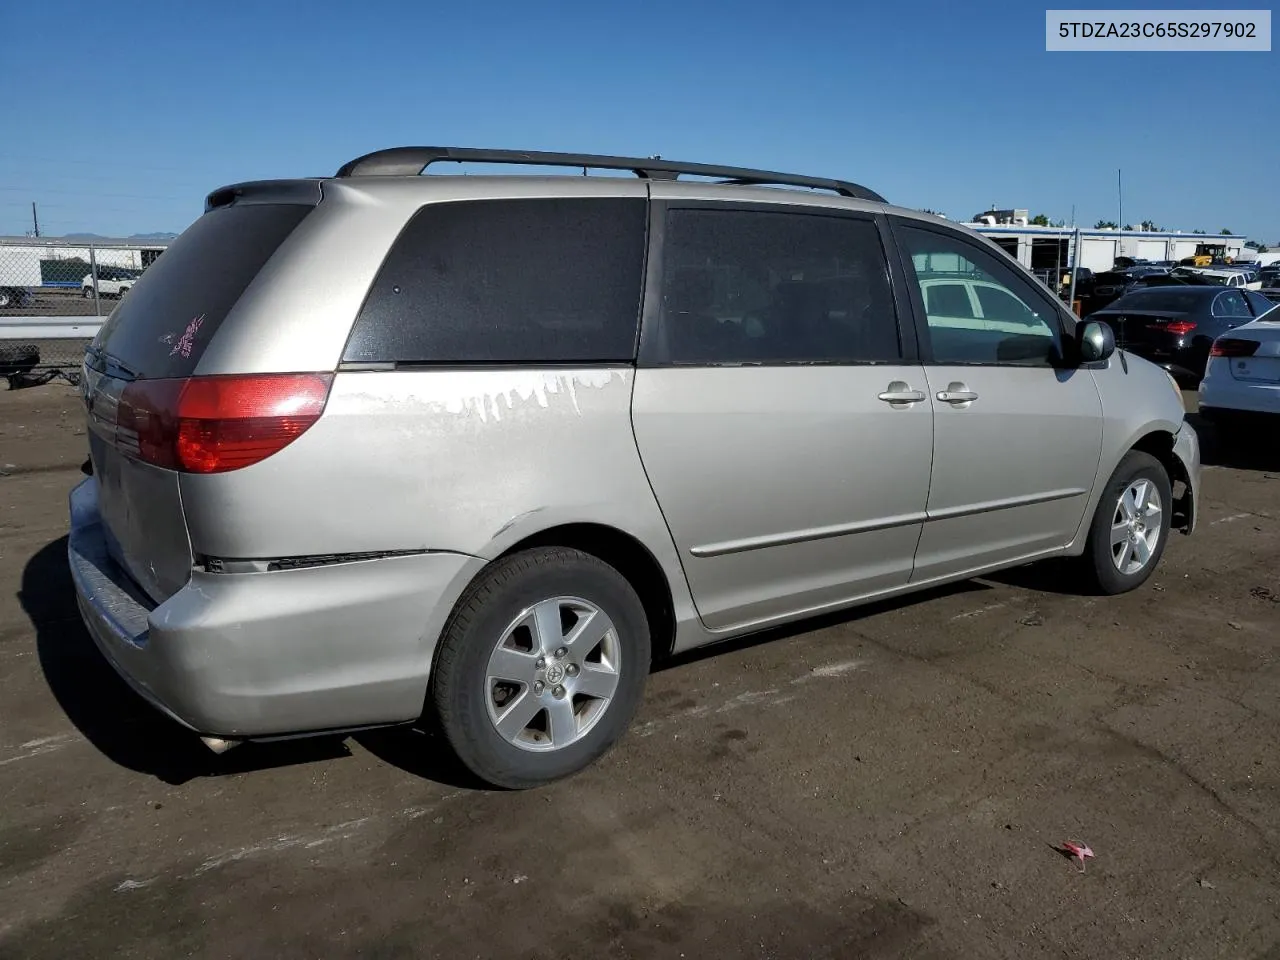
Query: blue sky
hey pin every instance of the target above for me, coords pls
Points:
(128, 114)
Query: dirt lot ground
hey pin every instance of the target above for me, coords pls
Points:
(54, 302)
(887, 784)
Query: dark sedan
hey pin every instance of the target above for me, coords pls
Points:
(1175, 326)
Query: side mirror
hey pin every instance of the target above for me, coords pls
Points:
(1097, 342)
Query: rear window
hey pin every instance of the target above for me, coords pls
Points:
(1172, 300)
(528, 281)
(162, 327)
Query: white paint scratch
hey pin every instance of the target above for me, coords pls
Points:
(750, 698)
(837, 669)
(978, 612)
(125, 885)
(333, 834)
(43, 741)
(414, 813)
(1231, 519)
(339, 831)
(42, 745)
(767, 697)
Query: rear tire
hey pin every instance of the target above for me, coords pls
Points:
(519, 667)
(1131, 525)
(88, 292)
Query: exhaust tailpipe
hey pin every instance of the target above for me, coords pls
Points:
(219, 745)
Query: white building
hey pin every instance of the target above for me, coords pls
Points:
(56, 262)
(1049, 248)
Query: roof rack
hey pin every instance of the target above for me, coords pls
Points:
(411, 161)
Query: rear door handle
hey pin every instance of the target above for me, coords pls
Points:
(957, 393)
(901, 394)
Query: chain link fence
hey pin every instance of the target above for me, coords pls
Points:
(55, 293)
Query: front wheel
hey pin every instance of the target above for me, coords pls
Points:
(1131, 525)
(541, 667)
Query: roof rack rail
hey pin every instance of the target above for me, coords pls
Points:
(411, 161)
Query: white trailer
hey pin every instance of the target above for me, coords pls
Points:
(19, 274)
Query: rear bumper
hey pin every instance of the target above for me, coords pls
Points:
(1222, 395)
(268, 654)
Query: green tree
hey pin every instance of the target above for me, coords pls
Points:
(1150, 225)
(1226, 233)
(1201, 232)
(936, 213)
(1039, 220)
(1105, 225)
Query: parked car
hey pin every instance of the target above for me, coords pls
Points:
(1241, 385)
(1084, 282)
(15, 297)
(1219, 276)
(1165, 280)
(112, 282)
(1175, 326)
(1106, 287)
(1269, 282)
(1141, 272)
(413, 443)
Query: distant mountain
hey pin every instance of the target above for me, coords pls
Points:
(134, 236)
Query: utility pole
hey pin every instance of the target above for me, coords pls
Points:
(1075, 268)
(1120, 196)
(35, 221)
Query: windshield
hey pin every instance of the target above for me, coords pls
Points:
(1173, 301)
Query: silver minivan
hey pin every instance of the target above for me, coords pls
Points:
(475, 450)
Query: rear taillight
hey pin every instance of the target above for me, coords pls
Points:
(1233, 347)
(215, 424)
(1178, 328)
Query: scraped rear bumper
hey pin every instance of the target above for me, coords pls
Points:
(261, 654)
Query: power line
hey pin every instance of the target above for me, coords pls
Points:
(92, 163)
(72, 206)
(96, 193)
(114, 178)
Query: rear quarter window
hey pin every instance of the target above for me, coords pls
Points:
(528, 281)
(173, 310)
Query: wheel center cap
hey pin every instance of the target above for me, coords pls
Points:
(555, 673)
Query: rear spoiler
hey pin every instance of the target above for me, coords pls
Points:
(306, 192)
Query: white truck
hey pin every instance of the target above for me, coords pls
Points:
(19, 273)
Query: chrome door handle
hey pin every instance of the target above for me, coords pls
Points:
(900, 393)
(957, 393)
